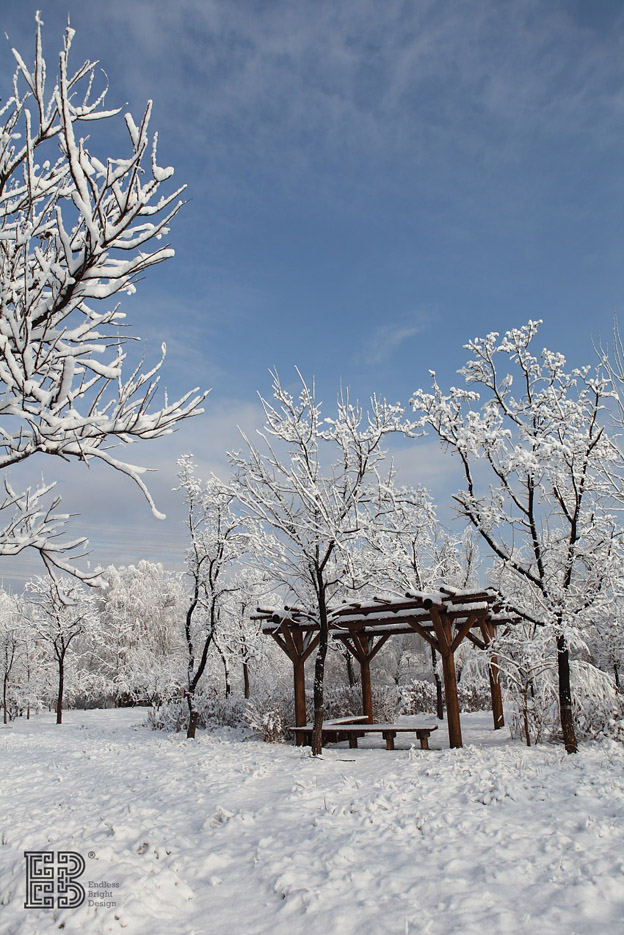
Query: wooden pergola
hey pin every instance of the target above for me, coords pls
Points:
(443, 618)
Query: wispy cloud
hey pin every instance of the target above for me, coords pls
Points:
(323, 84)
(387, 339)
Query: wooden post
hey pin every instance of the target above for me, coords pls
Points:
(298, 661)
(367, 698)
(452, 701)
(443, 632)
(299, 685)
(365, 649)
(297, 648)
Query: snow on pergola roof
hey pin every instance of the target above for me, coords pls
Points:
(396, 615)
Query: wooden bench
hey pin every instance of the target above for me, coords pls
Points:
(334, 732)
(304, 734)
(349, 719)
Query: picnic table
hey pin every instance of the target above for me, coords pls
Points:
(353, 728)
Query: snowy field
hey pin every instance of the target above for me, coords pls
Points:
(226, 836)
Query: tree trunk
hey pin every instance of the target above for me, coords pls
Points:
(439, 698)
(438, 684)
(192, 726)
(350, 670)
(525, 715)
(61, 686)
(193, 716)
(193, 678)
(319, 676)
(226, 670)
(4, 699)
(616, 675)
(246, 678)
(565, 695)
(319, 672)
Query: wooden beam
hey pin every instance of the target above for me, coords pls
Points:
(426, 635)
(280, 641)
(399, 628)
(289, 639)
(355, 610)
(445, 639)
(348, 642)
(355, 647)
(375, 649)
(309, 645)
(475, 639)
(463, 630)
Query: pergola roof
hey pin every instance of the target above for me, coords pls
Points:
(467, 609)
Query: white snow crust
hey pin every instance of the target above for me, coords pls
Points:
(231, 836)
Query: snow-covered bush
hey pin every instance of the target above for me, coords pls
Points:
(474, 695)
(598, 708)
(213, 711)
(343, 701)
(168, 716)
(419, 697)
(269, 723)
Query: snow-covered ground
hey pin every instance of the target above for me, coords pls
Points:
(225, 836)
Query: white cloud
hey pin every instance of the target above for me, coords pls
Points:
(386, 339)
(111, 511)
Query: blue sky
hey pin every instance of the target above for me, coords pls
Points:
(370, 185)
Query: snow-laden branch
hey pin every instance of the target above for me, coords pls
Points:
(76, 229)
(32, 520)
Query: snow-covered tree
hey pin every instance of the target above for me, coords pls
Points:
(59, 613)
(11, 646)
(241, 638)
(305, 491)
(533, 452)
(76, 229)
(605, 639)
(217, 543)
(139, 654)
(410, 550)
(405, 548)
(34, 674)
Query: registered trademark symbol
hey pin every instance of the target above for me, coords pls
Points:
(91, 855)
